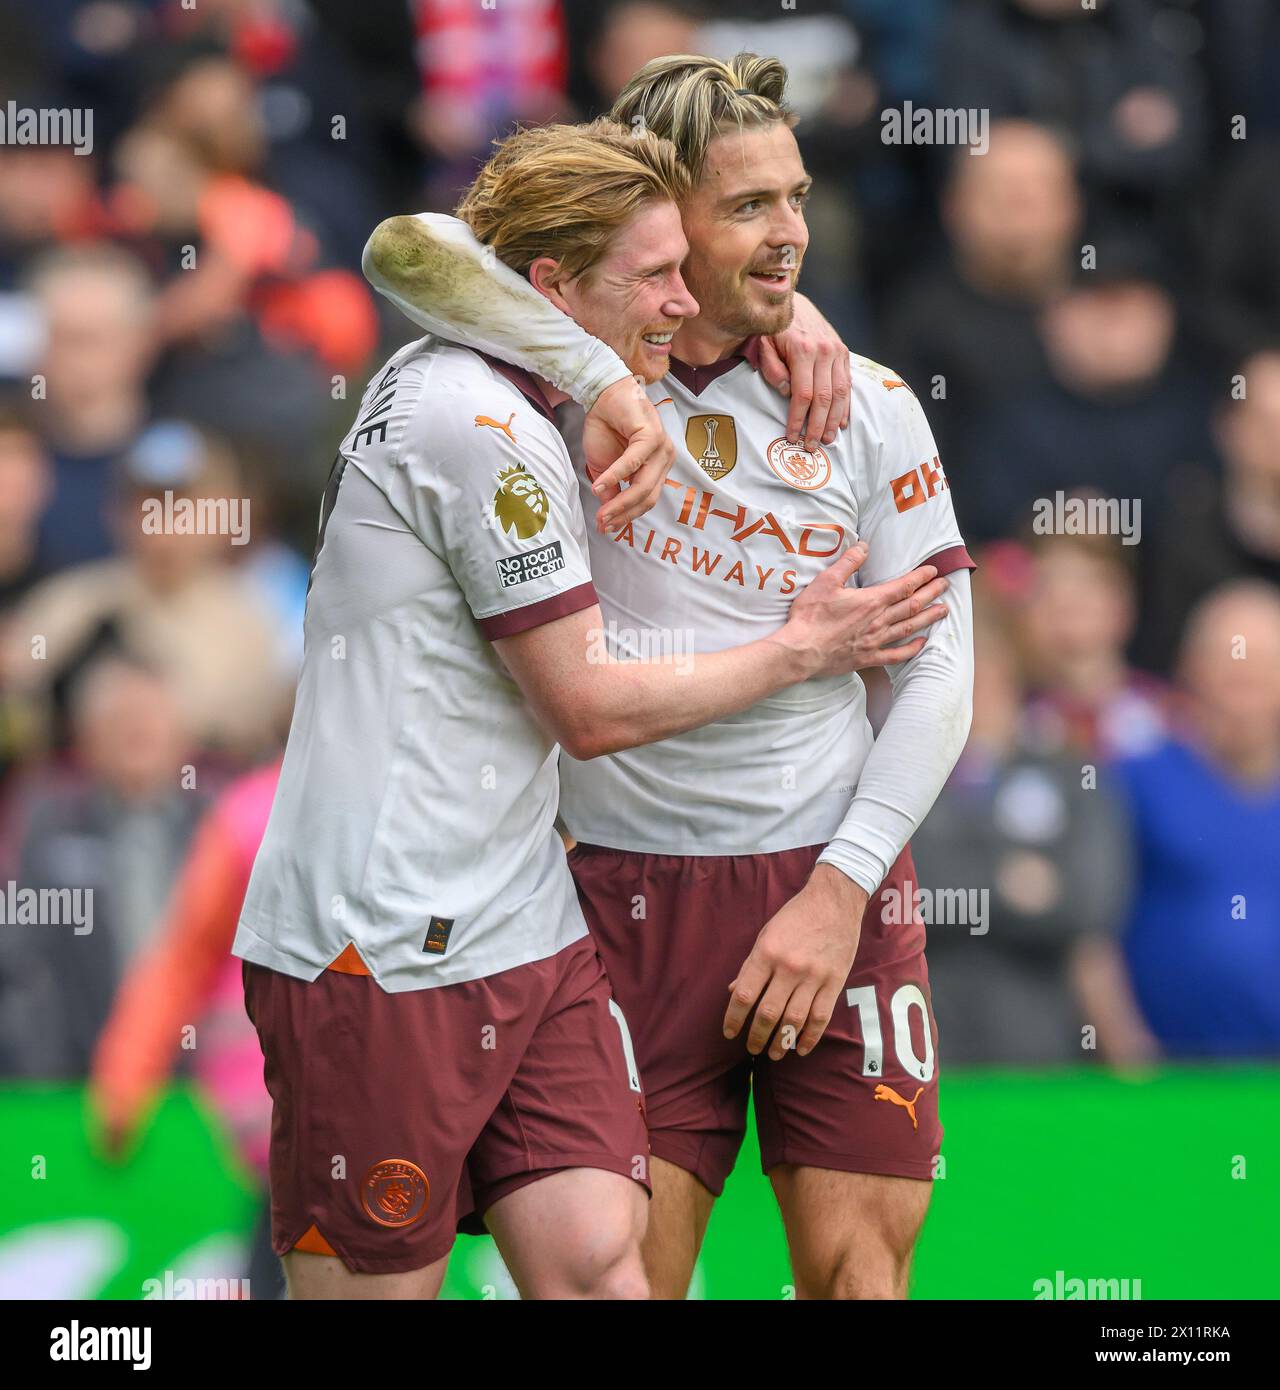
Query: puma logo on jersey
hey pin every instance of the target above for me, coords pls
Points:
(498, 425)
(890, 382)
(884, 1092)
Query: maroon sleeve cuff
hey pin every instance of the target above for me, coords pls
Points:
(546, 610)
(954, 557)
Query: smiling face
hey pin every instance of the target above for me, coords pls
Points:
(747, 234)
(634, 297)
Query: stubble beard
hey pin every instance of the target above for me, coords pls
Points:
(724, 303)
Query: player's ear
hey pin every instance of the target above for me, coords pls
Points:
(544, 276)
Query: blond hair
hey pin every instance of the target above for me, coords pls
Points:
(563, 191)
(689, 100)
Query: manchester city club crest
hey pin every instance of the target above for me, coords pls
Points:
(806, 469)
(395, 1192)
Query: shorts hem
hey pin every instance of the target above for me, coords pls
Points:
(690, 1158)
(391, 1264)
(847, 1163)
(543, 1165)
(471, 1223)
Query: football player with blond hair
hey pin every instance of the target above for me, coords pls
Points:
(750, 883)
(442, 1045)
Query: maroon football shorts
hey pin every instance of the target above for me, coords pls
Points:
(399, 1119)
(674, 931)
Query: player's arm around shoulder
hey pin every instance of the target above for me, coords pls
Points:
(808, 363)
(435, 270)
(439, 275)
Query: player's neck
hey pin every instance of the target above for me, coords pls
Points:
(700, 344)
(554, 397)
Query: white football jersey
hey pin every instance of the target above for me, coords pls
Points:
(415, 811)
(744, 523)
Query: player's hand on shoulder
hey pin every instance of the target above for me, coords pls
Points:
(809, 364)
(624, 441)
(834, 629)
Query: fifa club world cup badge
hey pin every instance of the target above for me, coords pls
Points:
(713, 442)
(395, 1192)
(806, 469)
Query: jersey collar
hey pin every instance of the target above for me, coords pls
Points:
(523, 381)
(697, 379)
(693, 379)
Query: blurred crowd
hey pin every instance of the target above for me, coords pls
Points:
(1088, 309)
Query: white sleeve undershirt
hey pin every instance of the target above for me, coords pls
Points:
(464, 293)
(916, 749)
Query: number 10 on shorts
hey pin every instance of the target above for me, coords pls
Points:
(905, 997)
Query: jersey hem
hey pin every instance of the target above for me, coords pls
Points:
(259, 951)
(668, 852)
